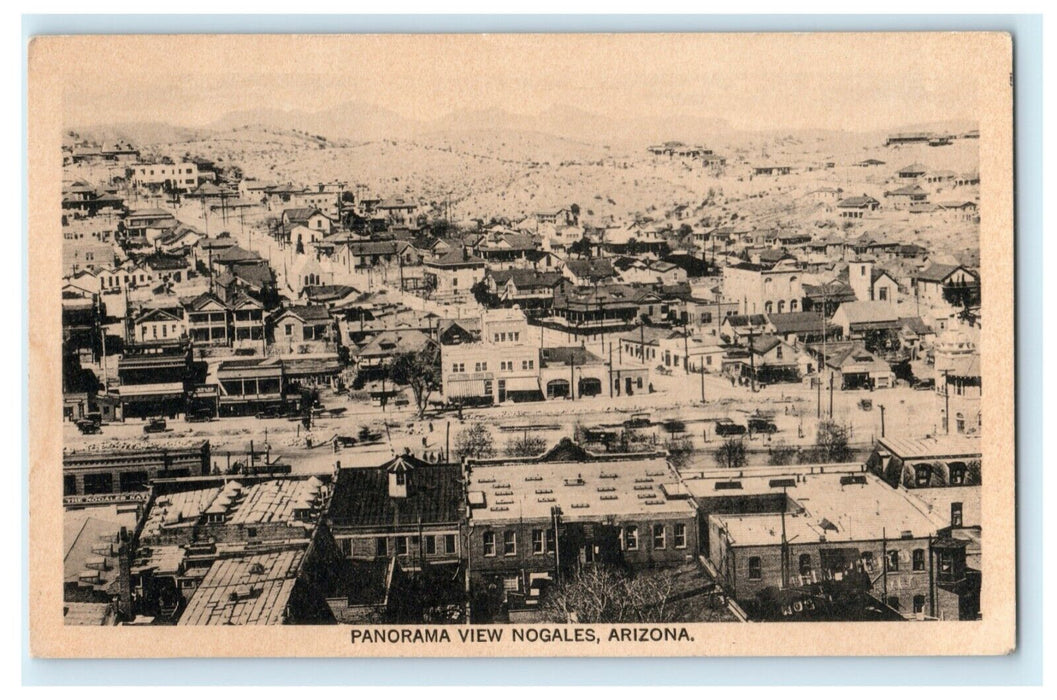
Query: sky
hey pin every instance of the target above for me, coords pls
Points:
(856, 82)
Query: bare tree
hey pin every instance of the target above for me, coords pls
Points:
(475, 442)
(420, 371)
(731, 454)
(601, 594)
(526, 446)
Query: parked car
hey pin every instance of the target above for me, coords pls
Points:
(155, 425)
(924, 384)
(638, 420)
(272, 412)
(88, 427)
(761, 424)
(725, 426)
(203, 415)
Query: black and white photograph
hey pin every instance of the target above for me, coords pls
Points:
(599, 340)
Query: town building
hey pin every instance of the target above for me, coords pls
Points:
(533, 520)
(106, 472)
(405, 508)
(502, 364)
(793, 542)
(764, 288)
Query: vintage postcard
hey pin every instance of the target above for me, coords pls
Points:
(521, 345)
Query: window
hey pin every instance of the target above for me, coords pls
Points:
(496, 338)
(755, 569)
(515, 336)
(401, 546)
(680, 536)
(638, 383)
(484, 366)
(552, 541)
(537, 542)
(659, 536)
(401, 479)
(381, 547)
(893, 602)
(867, 561)
(778, 352)
(706, 317)
(893, 560)
(794, 305)
(289, 328)
(882, 294)
(805, 564)
(919, 604)
(957, 475)
(431, 544)
(959, 422)
(631, 538)
(449, 544)
(956, 514)
(532, 364)
(918, 560)
(509, 543)
(251, 532)
(922, 475)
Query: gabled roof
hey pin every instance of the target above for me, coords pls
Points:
(205, 299)
(763, 344)
(856, 202)
(389, 343)
(938, 272)
(526, 279)
(592, 268)
(157, 315)
(456, 257)
(859, 312)
(307, 313)
(916, 325)
(739, 320)
(300, 214)
(907, 190)
(797, 322)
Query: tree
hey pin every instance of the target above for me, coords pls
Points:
(475, 442)
(832, 442)
(420, 371)
(526, 446)
(731, 454)
(581, 248)
(606, 595)
(680, 451)
(781, 455)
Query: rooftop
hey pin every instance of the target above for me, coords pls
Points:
(583, 490)
(822, 507)
(246, 590)
(361, 495)
(292, 502)
(936, 447)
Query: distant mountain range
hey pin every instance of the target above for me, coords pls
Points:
(359, 121)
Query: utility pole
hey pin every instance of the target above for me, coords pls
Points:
(702, 370)
(881, 406)
(831, 396)
(611, 369)
(752, 358)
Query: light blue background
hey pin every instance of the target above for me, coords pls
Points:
(1023, 667)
